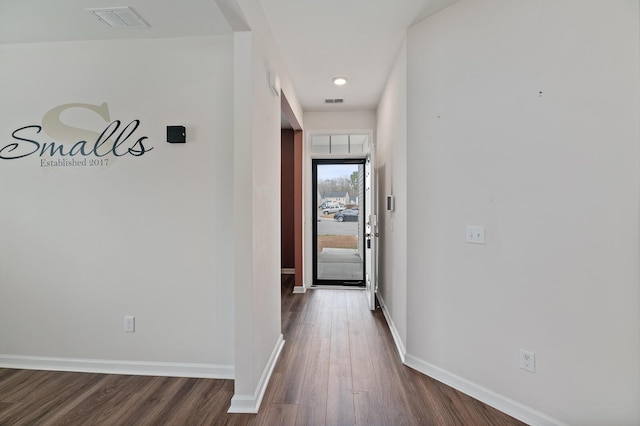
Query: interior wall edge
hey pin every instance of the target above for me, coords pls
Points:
(250, 404)
(493, 399)
(400, 346)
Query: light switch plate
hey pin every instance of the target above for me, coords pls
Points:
(129, 324)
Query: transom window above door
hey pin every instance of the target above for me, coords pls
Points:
(339, 144)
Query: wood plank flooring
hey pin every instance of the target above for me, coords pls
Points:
(338, 367)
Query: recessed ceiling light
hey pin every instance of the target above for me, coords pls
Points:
(339, 81)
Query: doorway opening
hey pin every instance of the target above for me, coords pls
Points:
(338, 198)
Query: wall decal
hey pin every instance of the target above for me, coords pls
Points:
(73, 146)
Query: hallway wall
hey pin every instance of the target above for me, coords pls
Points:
(391, 168)
(257, 119)
(146, 236)
(339, 120)
(523, 117)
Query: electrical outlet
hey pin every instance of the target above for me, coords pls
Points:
(527, 360)
(475, 234)
(129, 324)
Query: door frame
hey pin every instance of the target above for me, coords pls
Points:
(314, 220)
(287, 115)
(307, 261)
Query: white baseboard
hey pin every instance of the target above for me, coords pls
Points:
(299, 289)
(288, 271)
(402, 351)
(514, 409)
(137, 368)
(251, 403)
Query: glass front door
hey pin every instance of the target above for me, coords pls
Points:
(338, 222)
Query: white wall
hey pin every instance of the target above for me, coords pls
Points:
(147, 236)
(339, 120)
(523, 117)
(257, 189)
(391, 169)
(257, 224)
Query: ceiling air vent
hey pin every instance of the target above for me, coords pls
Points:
(121, 17)
(334, 101)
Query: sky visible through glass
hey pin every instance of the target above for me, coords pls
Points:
(332, 171)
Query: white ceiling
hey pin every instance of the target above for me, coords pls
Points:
(358, 39)
(318, 39)
(32, 21)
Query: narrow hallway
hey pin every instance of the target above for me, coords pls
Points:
(339, 366)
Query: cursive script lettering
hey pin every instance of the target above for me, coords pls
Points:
(27, 143)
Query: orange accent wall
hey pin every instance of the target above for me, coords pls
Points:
(287, 209)
(292, 143)
(297, 203)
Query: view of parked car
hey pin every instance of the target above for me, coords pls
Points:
(332, 208)
(350, 215)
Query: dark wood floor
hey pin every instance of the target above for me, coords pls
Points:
(338, 367)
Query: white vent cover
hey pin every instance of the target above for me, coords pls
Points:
(121, 17)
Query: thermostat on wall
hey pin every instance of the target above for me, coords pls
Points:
(176, 134)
